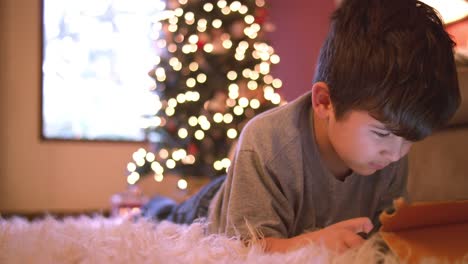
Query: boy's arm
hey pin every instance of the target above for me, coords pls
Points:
(251, 202)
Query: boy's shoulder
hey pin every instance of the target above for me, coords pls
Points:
(279, 125)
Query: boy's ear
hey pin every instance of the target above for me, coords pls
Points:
(321, 101)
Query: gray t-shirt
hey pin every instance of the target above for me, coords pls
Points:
(278, 183)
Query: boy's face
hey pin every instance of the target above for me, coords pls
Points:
(363, 143)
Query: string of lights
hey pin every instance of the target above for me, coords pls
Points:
(212, 76)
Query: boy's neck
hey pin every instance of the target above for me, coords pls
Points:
(328, 154)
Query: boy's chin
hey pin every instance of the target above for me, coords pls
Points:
(365, 171)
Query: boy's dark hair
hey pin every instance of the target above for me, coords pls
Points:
(393, 59)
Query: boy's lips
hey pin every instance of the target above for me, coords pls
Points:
(377, 166)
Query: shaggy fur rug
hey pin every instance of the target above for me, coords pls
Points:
(104, 240)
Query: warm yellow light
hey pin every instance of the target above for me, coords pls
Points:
(170, 163)
(208, 47)
(254, 75)
(140, 162)
(244, 102)
(243, 9)
(260, 3)
(183, 133)
(264, 68)
(170, 111)
(182, 184)
(172, 28)
(193, 66)
(181, 98)
(232, 75)
(133, 178)
(163, 153)
(235, 6)
(249, 19)
(139, 154)
(255, 103)
(205, 125)
(252, 85)
(131, 166)
(189, 16)
(226, 10)
(277, 83)
(160, 72)
(172, 103)
(217, 23)
(218, 165)
(158, 177)
(191, 82)
(246, 73)
(178, 67)
(172, 48)
(179, 154)
(228, 118)
(276, 98)
(193, 121)
(189, 159)
(150, 157)
(186, 49)
(226, 162)
(218, 117)
(221, 3)
(199, 134)
(238, 110)
(227, 44)
(244, 45)
(201, 78)
(193, 39)
(173, 20)
(239, 56)
(202, 119)
(179, 12)
(233, 87)
(275, 59)
(230, 102)
(190, 96)
(233, 95)
(232, 133)
(202, 22)
(208, 7)
(173, 61)
(157, 168)
(182, 2)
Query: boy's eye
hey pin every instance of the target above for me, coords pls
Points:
(381, 134)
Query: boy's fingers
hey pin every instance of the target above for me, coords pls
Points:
(356, 225)
(353, 240)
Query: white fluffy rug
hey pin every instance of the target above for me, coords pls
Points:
(103, 240)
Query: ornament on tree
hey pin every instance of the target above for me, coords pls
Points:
(212, 76)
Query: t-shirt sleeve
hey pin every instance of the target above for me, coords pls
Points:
(252, 203)
(396, 187)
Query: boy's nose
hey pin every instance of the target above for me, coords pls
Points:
(393, 155)
(395, 151)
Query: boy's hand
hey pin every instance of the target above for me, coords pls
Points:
(342, 235)
(338, 237)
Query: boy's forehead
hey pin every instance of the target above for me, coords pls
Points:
(361, 117)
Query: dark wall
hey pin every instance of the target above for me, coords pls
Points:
(301, 27)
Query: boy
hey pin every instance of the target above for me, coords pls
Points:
(324, 166)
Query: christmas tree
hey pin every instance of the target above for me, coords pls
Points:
(212, 76)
